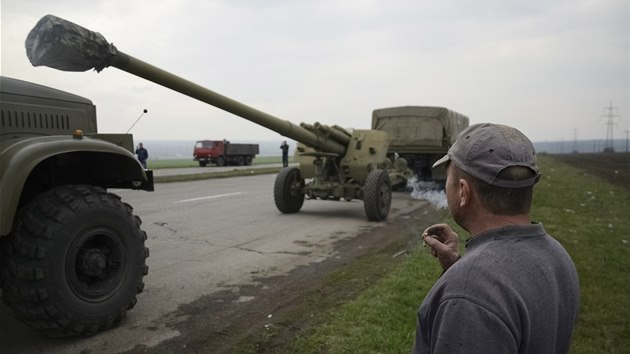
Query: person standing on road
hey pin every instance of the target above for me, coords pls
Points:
(285, 153)
(516, 289)
(143, 155)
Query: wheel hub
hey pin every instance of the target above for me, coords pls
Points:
(92, 262)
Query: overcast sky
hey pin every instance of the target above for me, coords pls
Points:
(546, 67)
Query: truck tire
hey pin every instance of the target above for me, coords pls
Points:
(240, 160)
(377, 195)
(287, 190)
(203, 163)
(248, 160)
(74, 262)
(220, 161)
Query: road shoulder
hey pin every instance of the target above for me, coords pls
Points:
(270, 314)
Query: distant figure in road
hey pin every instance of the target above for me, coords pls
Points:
(143, 155)
(285, 153)
(516, 289)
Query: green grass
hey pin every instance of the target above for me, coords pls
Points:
(590, 217)
(183, 163)
(221, 174)
(180, 163)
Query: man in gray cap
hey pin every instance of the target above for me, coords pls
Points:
(516, 289)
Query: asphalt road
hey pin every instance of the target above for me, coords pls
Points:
(208, 236)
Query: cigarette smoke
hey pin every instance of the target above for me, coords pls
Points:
(429, 191)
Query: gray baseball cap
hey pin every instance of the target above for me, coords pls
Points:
(484, 150)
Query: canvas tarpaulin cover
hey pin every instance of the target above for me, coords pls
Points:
(424, 126)
(63, 45)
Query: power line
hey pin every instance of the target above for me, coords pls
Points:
(609, 114)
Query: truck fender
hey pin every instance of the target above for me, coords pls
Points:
(21, 156)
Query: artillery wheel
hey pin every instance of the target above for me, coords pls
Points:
(377, 195)
(286, 190)
(74, 262)
(220, 161)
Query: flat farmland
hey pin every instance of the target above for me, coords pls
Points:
(612, 167)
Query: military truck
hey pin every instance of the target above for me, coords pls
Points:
(420, 135)
(73, 255)
(222, 152)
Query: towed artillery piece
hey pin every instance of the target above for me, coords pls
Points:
(334, 163)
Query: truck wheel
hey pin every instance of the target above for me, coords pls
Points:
(220, 161)
(286, 190)
(240, 160)
(203, 163)
(377, 195)
(248, 161)
(74, 262)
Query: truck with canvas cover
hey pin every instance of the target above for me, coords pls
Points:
(72, 254)
(420, 135)
(335, 163)
(223, 152)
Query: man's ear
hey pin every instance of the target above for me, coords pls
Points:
(464, 192)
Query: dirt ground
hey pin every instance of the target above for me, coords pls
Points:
(286, 306)
(612, 167)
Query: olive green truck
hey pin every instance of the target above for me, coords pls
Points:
(421, 135)
(72, 254)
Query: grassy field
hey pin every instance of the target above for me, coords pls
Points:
(208, 172)
(183, 163)
(589, 216)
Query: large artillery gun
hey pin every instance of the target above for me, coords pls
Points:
(334, 163)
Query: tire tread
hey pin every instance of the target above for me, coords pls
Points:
(25, 282)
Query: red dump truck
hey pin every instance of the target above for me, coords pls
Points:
(222, 152)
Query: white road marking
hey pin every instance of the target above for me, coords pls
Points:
(208, 197)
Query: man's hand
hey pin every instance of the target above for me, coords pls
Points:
(444, 244)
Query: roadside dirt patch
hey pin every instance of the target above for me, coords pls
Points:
(612, 167)
(265, 317)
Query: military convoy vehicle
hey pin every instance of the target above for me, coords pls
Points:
(72, 254)
(223, 152)
(334, 163)
(420, 135)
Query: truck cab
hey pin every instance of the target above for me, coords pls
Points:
(72, 254)
(206, 151)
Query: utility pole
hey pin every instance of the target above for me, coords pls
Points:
(627, 131)
(610, 122)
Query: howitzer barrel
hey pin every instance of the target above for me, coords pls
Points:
(284, 127)
(63, 45)
(338, 134)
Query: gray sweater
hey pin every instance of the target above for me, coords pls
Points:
(515, 290)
